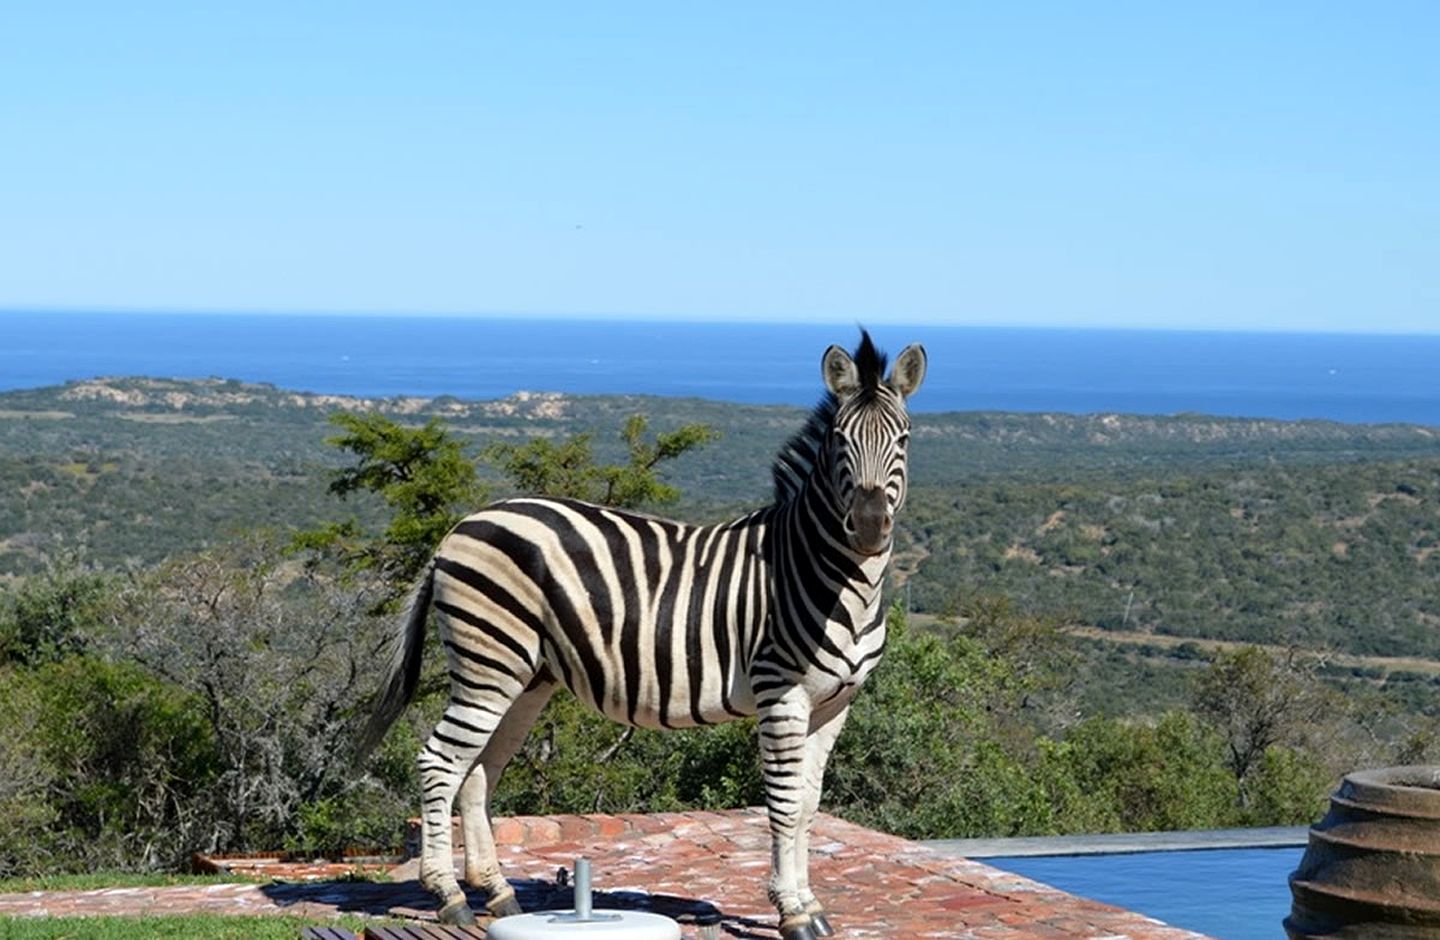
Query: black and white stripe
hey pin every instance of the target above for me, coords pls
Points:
(661, 624)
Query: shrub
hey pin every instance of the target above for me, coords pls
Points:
(114, 763)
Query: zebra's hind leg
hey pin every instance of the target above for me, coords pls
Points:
(453, 749)
(824, 730)
(482, 868)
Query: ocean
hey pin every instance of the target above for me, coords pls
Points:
(1351, 378)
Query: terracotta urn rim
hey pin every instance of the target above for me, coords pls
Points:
(1413, 789)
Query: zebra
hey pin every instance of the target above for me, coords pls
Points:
(661, 624)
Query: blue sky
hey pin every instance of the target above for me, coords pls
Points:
(1207, 165)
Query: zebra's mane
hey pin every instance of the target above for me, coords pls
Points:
(797, 458)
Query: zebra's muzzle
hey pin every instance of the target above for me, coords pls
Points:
(870, 523)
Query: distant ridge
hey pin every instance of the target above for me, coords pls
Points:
(951, 447)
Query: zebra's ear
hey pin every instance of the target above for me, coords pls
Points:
(909, 370)
(841, 375)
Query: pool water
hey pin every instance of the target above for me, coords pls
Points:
(1230, 894)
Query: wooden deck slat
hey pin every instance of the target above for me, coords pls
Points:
(380, 933)
(326, 933)
(383, 933)
(423, 932)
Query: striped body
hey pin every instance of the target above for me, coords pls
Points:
(660, 624)
(652, 622)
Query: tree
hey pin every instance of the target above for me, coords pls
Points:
(1257, 700)
(276, 655)
(423, 476)
(47, 617)
(428, 483)
(1039, 675)
(569, 469)
(542, 467)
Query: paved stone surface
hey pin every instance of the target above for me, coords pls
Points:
(706, 869)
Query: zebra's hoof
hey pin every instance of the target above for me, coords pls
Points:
(796, 929)
(504, 907)
(457, 913)
(821, 926)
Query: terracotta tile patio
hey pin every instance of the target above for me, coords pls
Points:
(707, 870)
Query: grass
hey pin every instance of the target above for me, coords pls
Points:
(89, 881)
(179, 927)
(154, 927)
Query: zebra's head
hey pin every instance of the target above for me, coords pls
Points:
(864, 449)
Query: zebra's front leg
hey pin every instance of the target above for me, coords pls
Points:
(825, 730)
(784, 728)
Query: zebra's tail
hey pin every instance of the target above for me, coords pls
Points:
(403, 674)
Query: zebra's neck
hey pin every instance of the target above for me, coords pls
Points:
(813, 522)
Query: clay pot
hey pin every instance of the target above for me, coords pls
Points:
(1372, 867)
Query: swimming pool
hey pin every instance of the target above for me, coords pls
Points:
(1231, 894)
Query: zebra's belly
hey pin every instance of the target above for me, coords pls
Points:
(682, 713)
(651, 692)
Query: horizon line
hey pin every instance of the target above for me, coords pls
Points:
(697, 318)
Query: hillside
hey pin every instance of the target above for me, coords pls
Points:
(1237, 529)
(1339, 556)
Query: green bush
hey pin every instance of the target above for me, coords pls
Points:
(367, 817)
(116, 763)
(1110, 775)
(1290, 787)
(48, 617)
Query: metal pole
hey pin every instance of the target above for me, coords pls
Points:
(582, 889)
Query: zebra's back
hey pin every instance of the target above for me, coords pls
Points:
(652, 622)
